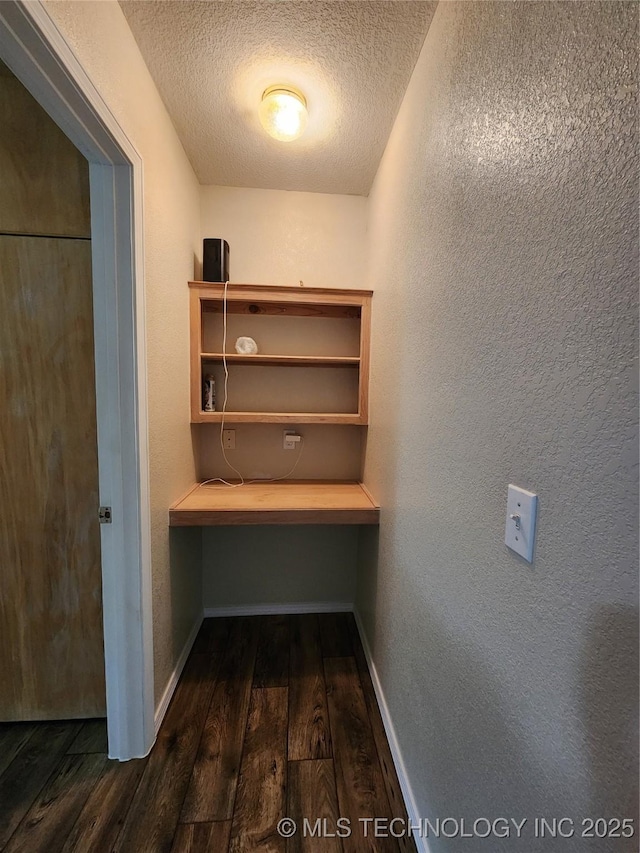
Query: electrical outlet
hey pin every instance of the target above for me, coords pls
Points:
(290, 439)
(229, 439)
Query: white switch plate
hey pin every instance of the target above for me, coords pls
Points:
(520, 528)
(229, 439)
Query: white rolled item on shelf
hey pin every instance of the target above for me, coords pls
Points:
(246, 346)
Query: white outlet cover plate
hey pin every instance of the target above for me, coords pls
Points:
(287, 444)
(525, 504)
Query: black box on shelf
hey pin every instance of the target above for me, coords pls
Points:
(215, 259)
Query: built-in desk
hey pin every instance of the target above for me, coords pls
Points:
(284, 502)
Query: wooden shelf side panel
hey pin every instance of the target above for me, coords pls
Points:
(195, 348)
(365, 345)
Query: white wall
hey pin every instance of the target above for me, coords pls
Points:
(504, 260)
(279, 237)
(101, 38)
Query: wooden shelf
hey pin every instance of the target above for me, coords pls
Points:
(294, 360)
(278, 418)
(282, 309)
(294, 319)
(284, 502)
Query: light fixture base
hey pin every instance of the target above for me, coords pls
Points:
(285, 89)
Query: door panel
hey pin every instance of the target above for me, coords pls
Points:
(44, 178)
(51, 642)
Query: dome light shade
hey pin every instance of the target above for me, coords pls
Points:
(283, 113)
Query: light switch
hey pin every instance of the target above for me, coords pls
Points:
(520, 528)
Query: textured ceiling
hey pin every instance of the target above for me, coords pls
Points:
(211, 61)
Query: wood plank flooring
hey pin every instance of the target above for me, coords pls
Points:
(273, 717)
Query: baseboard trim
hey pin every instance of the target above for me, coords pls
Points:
(405, 785)
(278, 609)
(169, 690)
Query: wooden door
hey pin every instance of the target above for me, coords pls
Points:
(51, 641)
(44, 180)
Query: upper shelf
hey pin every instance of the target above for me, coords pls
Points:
(259, 308)
(277, 299)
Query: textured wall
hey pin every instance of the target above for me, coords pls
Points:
(278, 237)
(99, 34)
(503, 239)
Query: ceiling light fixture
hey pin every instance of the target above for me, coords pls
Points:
(283, 112)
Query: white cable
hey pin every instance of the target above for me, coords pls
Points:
(286, 476)
(242, 482)
(226, 382)
(226, 397)
(265, 480)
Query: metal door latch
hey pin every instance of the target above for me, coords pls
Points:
(104, 514)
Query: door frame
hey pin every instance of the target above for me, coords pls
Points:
(36, 52)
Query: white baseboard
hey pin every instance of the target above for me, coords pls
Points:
(163, 704)
(405, 786)
(275, 609)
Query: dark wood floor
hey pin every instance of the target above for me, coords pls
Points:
(273, 716)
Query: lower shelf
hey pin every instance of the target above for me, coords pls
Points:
(284, 502)
(278, 418)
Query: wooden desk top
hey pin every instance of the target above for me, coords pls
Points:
(284, 502)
